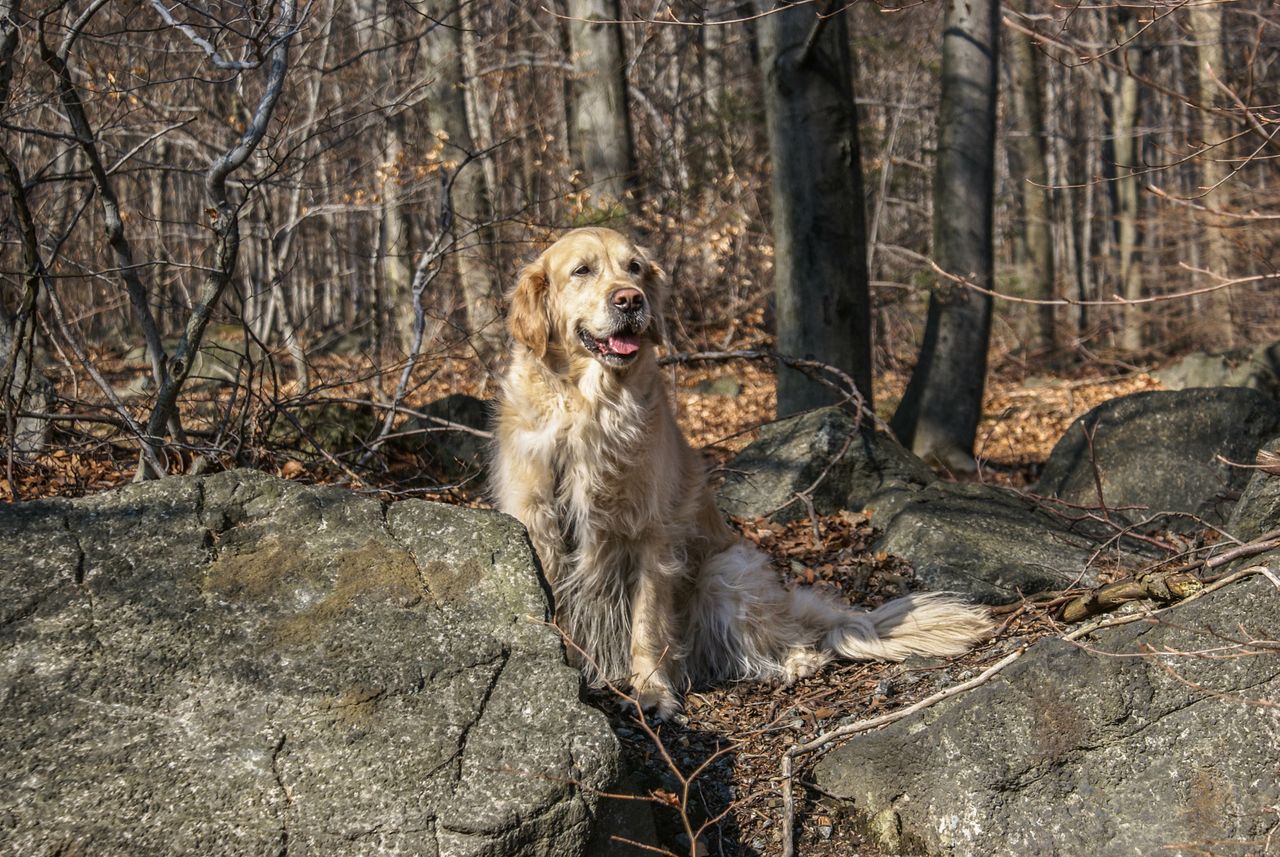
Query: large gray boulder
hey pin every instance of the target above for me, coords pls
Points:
(1104, 750)
(1258, 510)
(990, 544)
(824, 453)
(1163, 451)
(451, 442)
(1257, 368)
(240, 665)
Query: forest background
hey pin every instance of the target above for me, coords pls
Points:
(270, 234)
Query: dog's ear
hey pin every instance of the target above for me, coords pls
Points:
(527, 318)
(655, 285)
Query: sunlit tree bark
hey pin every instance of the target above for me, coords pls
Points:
(820, 267)
(601, 118)
(939, 413)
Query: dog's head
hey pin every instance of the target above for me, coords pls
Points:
(592, 295)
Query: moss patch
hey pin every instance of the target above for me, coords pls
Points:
(277, 567)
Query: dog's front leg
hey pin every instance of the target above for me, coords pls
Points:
(657, 649)
(524, 486)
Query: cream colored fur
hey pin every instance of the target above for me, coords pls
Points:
(647, 577)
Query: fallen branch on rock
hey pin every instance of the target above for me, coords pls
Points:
(1163, 586)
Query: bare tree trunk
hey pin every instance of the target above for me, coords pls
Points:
(1086, 195)
(23, 383)
(713, 70)
(227, 229)
(939, 414)
(1126, 148)
(1039, 273)
(479, 108)
(1215, 307)
(396, 233)
(376, 30)
(86, 141)
(468, 192)
(1063, 135)
(602, 122)
(819, 233)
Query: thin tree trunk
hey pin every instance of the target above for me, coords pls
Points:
(1087, 180)
(117, 238)
(1126, 148)
(819, 232)
(1039, 273)
(1215, 308)
(602, 122)
(227, 229)
(939, 414)
(479, 106)
(395, 241)
(468, 193)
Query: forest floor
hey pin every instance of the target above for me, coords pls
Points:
(734, 736)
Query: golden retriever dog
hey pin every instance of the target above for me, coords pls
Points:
(647, 578)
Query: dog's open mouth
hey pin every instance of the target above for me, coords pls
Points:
(616, 349)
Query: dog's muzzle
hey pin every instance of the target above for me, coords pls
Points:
(628, 319)
(617, 348)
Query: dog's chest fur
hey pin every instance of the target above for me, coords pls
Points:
(600, 458)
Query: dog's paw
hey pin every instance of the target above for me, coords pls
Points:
(802, 663)
(656, 698)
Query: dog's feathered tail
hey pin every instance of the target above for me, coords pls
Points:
(747, 626)
(925, 623)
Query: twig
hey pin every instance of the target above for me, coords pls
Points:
(673, 21)
(1089, 432)
(849, 391)
(204, 44)
(806, 496)
(686, 781)
(1149, 299)
(824, 14)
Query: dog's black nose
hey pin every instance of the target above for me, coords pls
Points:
(627, 300)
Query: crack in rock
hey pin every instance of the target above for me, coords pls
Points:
(461, 748)
(283, 849)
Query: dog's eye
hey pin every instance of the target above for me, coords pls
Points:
(582, 270)
(635, 267)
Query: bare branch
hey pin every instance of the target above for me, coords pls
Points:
(204, 44)
(69, 95)
(226, 227)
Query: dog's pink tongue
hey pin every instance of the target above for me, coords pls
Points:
(624, 343)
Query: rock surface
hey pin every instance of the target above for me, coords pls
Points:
(1258, 510)
(1257, 368)
(450, 453)
(240, 665)
(987, 543)
(1070, 751)
(1160, 451)
(791, 454)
